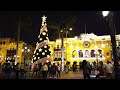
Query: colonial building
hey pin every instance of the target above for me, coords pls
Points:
(8, 50)
(88, 47)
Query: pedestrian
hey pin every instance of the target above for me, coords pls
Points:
(58, 71)
(22, 70)
(86, 67)
(108, 70)
(101, 70)
(50, 69)
(54, 69)
(0, 71)
(34, 70)
(66, 68)
(44, 70)
(17, 70)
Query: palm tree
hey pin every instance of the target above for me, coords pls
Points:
(66, 24)
(23, 23)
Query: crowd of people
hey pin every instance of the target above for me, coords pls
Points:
(51, 70)
(11, 71)
(19, 71)
(100, 70)
(47, 70)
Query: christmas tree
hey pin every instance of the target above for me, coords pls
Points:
(42, 52)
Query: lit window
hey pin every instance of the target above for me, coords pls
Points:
(92, 53)
(80, 53)
(74, 54)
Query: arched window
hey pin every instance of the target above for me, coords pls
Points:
(100, 54)
(80, 53)
(86, 55)
(99, 51)
(92, 53)
(74, 54)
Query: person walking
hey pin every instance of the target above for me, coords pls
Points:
(54, 69)
(58, 71)
(44, 70)
(86, 68)
(108, 70)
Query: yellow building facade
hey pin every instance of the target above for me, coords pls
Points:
(8, 50)
(88, 47)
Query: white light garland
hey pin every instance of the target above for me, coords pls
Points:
(40, 50)
(45, 50)
(37, 54)
(34, 58)
(48, 55)
(40, 38)
(43, 53)
(45, 46)
(44, 33)
(38, 57)
(46, 37)
(37, 43)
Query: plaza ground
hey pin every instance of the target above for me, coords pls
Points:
(69, 75)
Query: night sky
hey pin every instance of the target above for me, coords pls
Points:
(94, 21)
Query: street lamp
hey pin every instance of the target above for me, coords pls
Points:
(70, 29)
(109, 18)
(62, 44)
(25, 50)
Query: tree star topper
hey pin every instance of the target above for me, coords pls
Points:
(43, 20)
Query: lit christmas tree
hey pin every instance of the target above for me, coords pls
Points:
(42, 52)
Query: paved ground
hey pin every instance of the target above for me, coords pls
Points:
(69, 75)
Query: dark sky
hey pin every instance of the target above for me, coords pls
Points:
(93, 19)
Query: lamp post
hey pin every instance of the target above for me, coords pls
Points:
(62, 44)
(25, 50)
(70, 29)
(109, 18)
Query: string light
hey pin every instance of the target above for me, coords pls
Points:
(34, 58)
(48, 55)
(43, 53)
(40, 38)
(40, 50)
(46, 37)
(37, 43)
(45, 50)
(37, 54)
(38, 57)
(44, 33)
(45, 46)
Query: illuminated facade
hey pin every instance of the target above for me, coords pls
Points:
(8, 51)
(86, 47)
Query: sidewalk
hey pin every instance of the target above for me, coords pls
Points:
(71, 75)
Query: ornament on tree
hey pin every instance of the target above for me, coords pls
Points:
(40, 50)
(45, 46)
(44, 33)
(40, 38)
(45, 50)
